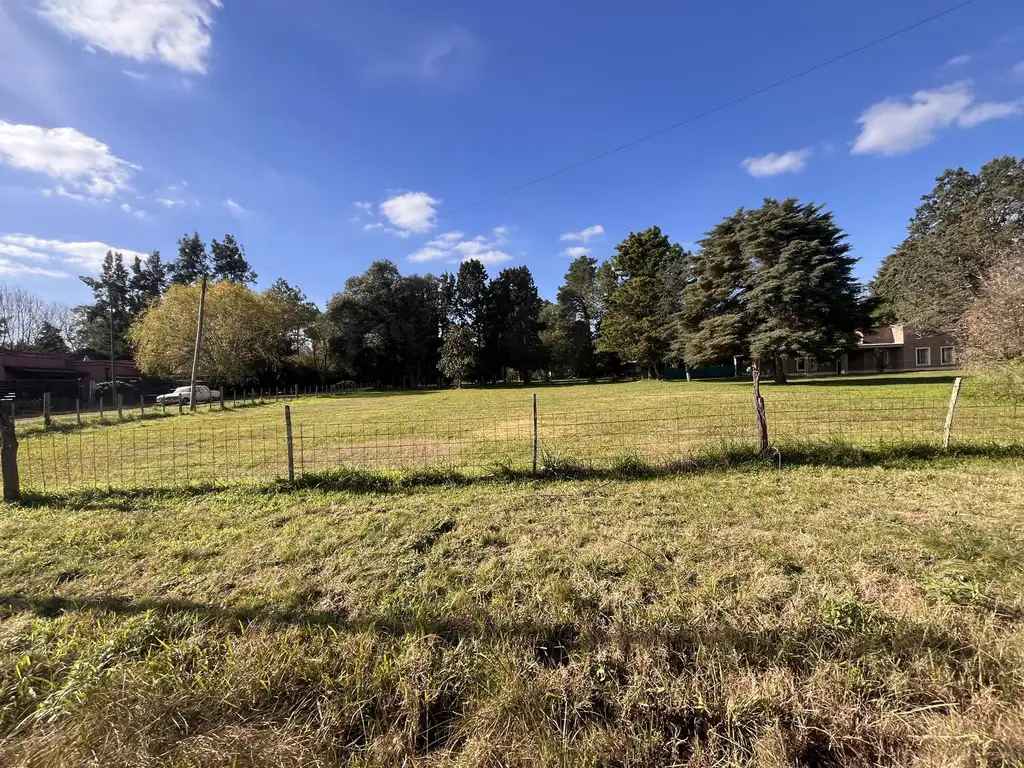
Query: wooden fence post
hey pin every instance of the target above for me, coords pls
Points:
(947, 434)
(120, 407)
(762, 421)
(47, 418)
(142, 405)
(291, 447)
(535, 433)
(78, 411)
(9, 454)
(102, 415)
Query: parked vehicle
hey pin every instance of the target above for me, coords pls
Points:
(182, 394)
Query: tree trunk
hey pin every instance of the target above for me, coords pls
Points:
(780, 371)
(759, 414)
(9, 455)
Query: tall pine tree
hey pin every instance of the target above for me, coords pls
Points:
(636, 325)
(192, 263)
(229, 261)
(772, 283)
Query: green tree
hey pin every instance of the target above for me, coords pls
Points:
(958, 232)
(473, 309)
(229, 261)
(769, 283)
(580, 309)
(635, 325)
(192, 264)
(112, 310)
(50, 339)
(148, 281)
(385, 327)
(458, 354)
(516, 324)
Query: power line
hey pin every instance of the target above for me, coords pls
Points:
(714, 110)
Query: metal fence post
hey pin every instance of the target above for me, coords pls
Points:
(535, 433)
(291, 447)
(947, 434)
(47, 418)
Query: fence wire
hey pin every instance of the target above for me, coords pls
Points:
(244, 444)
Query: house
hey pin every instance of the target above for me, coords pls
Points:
(29, 374)
(886, 348)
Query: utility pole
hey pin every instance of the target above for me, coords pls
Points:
(199, 343)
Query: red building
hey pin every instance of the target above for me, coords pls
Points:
(28, 374)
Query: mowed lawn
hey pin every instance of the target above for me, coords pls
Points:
(808, 616)
(480, 428)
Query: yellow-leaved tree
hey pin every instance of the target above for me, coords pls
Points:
(243, 334)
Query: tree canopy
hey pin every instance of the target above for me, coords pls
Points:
(242, 335)
(960, 229)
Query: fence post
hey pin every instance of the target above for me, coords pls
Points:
(535, 433)
(222, 399)
(180, 409)
(762, 422)
(142, 405)
(947, 434)
(291, 447)
(102, 415)
(120, 407)
(78, 411)
(47, 418)
(9, 454)
(296, 391)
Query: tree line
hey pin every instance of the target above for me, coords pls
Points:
(764, 284)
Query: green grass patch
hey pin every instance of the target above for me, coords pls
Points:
(846, 609)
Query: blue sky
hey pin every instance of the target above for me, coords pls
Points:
(325, 135)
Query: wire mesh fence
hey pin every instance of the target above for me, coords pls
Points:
(252, 444)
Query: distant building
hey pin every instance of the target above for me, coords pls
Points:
(886, 348)
(37, 372)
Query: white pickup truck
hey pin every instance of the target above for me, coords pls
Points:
(183, 394)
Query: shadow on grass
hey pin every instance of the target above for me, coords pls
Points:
(835, 631)
(92, 420)
(552, 469)
(868, 380)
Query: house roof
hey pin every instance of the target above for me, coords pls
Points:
(883, 336)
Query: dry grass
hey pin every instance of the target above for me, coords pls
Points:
(480, 428)
(811, 616)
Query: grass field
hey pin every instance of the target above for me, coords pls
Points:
(479, 429)
(808, 616)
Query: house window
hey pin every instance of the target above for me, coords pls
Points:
(924, 356)
(883, 358)
(948, 356)
(801, 365)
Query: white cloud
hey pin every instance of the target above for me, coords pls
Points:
(429, 253)
(775, 163)
(584, 236)
(410, 213)
(21, 252)
(88, 255)
(373, 225)
(65, 154)
(451, 56)
(137, 76)
(452, 247)
(13, 268)
(134, 212)
(175, 32)
(237, 209)
(892, 127)
(990, 110)
(576, 251)
(168, 202)
(365, 206)
(959, 61)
